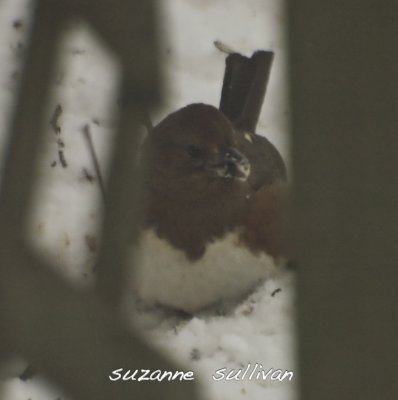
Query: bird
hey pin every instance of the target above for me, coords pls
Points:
(209, 233)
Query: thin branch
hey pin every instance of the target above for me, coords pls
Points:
(62, 160)
(94, 158)
(55, 118)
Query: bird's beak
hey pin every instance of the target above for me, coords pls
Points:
(231, 164)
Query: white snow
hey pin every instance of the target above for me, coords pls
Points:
(67, 208)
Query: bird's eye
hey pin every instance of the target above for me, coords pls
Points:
(194, 151)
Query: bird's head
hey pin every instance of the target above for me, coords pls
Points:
(198, 142)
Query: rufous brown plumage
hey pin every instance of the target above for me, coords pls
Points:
(209, 233)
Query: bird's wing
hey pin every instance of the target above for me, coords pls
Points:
(266, 227)
(267, 165)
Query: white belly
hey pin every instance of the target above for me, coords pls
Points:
(163, 275)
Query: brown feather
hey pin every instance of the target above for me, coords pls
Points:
(266, 226)
(185, 205)
(189, 208)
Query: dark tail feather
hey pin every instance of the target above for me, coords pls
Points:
(244, 86)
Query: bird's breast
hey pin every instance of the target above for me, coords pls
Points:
(165, 275)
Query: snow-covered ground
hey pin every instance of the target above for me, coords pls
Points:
(66, 211)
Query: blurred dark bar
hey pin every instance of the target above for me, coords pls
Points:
(343, 80)
(75, 338)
